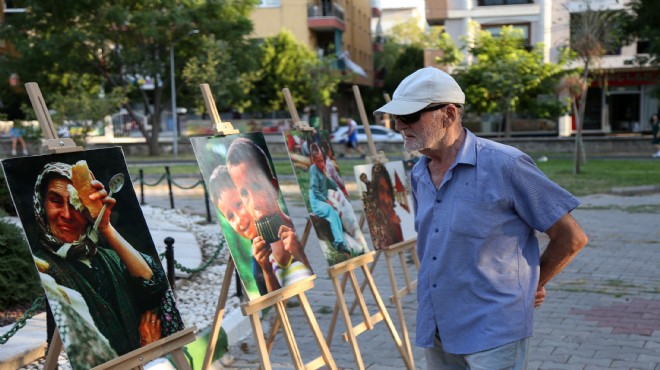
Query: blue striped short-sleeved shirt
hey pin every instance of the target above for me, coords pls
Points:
(477, 245)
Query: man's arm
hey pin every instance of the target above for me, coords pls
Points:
(566, 239)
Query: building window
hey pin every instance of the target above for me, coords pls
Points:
(503, 2)
(496, 29)
(269, 3)
(643, 47)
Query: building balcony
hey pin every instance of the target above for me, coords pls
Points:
(325, 16)
(437, 11)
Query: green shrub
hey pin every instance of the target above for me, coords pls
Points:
(19, 281)
(5, 199)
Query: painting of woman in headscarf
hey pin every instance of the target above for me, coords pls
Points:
(91, 245)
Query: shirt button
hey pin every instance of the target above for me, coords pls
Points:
(436, 230)
(435, 285)
(439, 201)
(434, 258)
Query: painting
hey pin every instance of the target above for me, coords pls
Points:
(93, 252)
(325, 195)
(385, 194)
(243, 186)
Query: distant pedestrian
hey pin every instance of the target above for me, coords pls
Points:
(351, 138)
(655, 134)
(16, 133)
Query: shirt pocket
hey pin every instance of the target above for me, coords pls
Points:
(473, 218)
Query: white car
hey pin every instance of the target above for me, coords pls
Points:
(379, 134)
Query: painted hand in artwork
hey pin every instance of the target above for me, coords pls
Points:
(149, 328)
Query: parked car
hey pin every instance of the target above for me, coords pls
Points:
(379, 134)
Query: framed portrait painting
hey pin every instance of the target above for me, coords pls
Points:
(94, 254)
(243, 187)
(325, 195)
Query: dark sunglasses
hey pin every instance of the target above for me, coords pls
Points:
(411, 118)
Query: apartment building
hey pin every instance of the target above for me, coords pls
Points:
(324, 24)
(620, 98)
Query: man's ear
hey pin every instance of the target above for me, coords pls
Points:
(452, 114)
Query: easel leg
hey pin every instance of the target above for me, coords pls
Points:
(288, 335)
(53, 351)
(364, 283)
(219, 313)
(335, 313)
(272, 334)
(359, 298)
(316, 331)
(261, 344)
(399, 308)
(180, 359)
(387, 319)
(347, 320)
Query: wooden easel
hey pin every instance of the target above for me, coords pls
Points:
(395, 250)
(346, 271)
(386, 116)
(277, 298)
(172, 344)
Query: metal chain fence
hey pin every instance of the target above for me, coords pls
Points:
(170, 182)
(36, 306)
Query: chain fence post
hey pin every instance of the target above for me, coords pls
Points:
(169, 256)
(239, 288)
(206, 200)
(169, 186)
(142, 187)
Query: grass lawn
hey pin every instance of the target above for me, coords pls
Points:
(601, 175)
(597, 175)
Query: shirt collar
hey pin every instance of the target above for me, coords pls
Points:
(468, 152)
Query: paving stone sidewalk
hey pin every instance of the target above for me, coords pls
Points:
(602, 312)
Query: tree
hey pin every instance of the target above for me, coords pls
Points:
(640, 22)
(506, 77)
(121, 42)
(85, 103)
(285, 62)
(403, 54)
(593, 33)
(229, 79)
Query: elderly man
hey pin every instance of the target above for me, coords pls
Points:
(477, 206)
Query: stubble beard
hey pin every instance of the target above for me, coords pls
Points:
(430, 137)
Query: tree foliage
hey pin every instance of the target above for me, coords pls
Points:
(640, 22)
(20, 282)
(403, 54)
(85, 103)
(119, 42)
(286, 62)
(506, 77)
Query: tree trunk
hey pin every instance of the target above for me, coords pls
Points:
(152, 140)
(580, 153)
(507, 123)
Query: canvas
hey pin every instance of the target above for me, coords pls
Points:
(244, 190)
(325, 195)
(94, 254)
(385, 194)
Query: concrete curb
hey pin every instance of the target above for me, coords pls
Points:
(26, 346)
